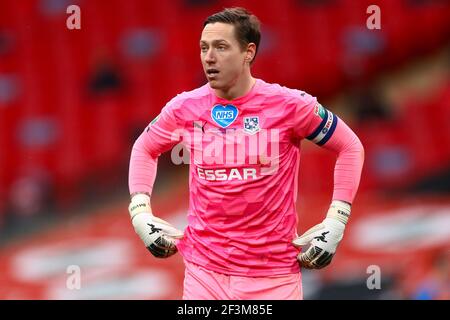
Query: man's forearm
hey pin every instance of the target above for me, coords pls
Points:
(349, 162)
(142, 170)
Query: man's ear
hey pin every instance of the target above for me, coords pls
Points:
(251, 52)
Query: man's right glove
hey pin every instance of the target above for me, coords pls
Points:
(157, 234)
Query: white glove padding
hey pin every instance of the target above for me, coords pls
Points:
(157, 234)
(324, 237)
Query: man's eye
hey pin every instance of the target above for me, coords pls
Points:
(204, 49)
(221, 48)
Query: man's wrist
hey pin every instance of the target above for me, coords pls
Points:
(140, 202)
(139, 192)
(339, 210)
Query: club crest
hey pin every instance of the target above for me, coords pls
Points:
(251, 125)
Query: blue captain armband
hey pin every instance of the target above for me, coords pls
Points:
(326, 128)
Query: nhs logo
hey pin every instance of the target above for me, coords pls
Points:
(224, 115)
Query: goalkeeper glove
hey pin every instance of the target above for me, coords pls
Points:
(324, 237)
(157, 234)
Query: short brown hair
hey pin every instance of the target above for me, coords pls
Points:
(247, 25)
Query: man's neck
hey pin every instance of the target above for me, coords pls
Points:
(239, 89)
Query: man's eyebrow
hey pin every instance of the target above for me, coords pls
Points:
(214, 41)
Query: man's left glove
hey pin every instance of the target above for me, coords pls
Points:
(157, 234)
(324, 237)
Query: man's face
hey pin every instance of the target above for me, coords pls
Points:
(222, 57)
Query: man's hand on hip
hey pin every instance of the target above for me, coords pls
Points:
(323, 237)
(157, 234)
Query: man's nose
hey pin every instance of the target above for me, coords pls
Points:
(210, 57)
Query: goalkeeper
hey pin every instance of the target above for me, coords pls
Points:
(241, 241)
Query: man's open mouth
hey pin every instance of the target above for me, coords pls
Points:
(212, 72)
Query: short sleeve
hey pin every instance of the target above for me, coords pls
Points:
(313, 121)
(163, 132)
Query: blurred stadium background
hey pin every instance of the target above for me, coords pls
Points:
(73, 101)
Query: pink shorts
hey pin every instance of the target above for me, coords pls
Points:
(203, 284)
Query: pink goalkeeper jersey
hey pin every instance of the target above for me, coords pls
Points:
(244, 162)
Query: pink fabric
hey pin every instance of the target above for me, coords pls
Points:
(349, 163)
(242, 213)
(203, 284)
